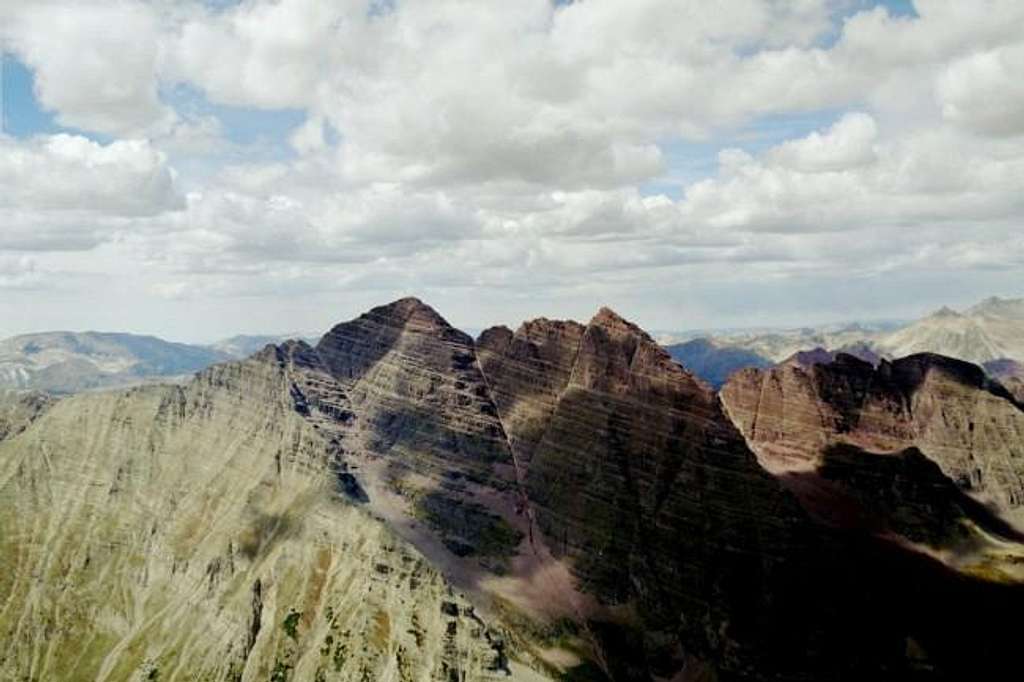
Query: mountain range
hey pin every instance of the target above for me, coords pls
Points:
(71, 362)
(990, 333)
(562, 501)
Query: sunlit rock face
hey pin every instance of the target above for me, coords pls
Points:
(198, 533)
(19, 410)
(967, 424)
(563, 501)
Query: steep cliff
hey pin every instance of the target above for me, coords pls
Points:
(636, 479)
(968, 424)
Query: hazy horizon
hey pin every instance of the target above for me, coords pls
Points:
(196, 170)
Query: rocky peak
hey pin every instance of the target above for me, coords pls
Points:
(945, 312)
(352, 348)
(1008, 308)
(608, 319)
(966, 423)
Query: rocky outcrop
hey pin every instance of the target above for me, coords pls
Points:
(966, 423)
(822, 356)
(19, 410)
(199, 533)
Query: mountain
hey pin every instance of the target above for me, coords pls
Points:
(778, 345)
(402, 501)
(990, 330)
(1010, 373)
(821, 356)
(712, 361)
(68, 362)
(970, 426)
(242, 345)
(19, 410)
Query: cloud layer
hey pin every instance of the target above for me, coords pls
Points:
(508, 151)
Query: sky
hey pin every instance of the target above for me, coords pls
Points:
(200, 169)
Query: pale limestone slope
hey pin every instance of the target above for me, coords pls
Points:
(175, 529)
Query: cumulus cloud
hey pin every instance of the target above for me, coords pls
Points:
(984, 91)
(95, 63)
(844, 179)
(522, 146)
(19, 273)
(72, 173)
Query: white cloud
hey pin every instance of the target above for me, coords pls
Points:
(849, 143)
(95, 63)
(841, 180)
(984, 91)
(512, 146)
(72, 173)
(19, 273)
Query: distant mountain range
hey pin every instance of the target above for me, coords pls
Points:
(990, 333)
(72, 362)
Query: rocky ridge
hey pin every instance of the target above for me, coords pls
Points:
(970, 426)
(588, 495)
(202, 533)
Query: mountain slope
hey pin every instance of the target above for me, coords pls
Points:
(67, 362)
(199, 532)
(243, 345)
(712, 361)
(966, 423)
(19, 410)
(318, 513)
(991, 330)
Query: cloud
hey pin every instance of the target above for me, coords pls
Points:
(72, 173)
(20, 273)
(518, 149)
(849, 143)
(68, 193)
(846, 179)
(984, 92)
(95, 63)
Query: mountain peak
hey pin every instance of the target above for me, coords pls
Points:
(994, 306)
(945, 311)
(611, 320)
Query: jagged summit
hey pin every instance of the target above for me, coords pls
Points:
(945, 311)
(609, 319)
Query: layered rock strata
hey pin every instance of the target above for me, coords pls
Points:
(590, 496)
(200, 533)
(967, 424)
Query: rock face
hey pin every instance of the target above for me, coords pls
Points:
(199, 533)
(967, 424)
(714, 362)
(636, 477)
(19, 410)
(316, 513)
